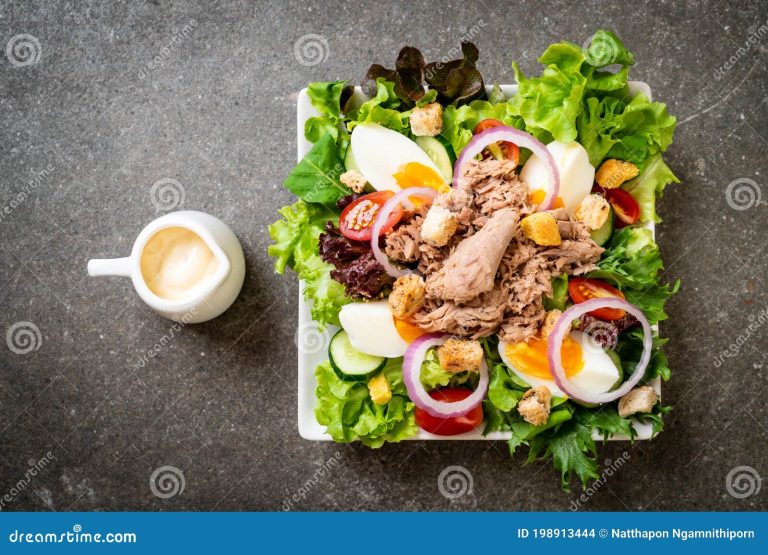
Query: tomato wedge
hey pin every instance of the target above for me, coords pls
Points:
(357, 219)
(450, 426)
(505, 149)
(624, 205)
(583, 289)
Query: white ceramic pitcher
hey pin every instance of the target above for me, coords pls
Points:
(214, 296)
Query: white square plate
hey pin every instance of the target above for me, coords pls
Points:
(310, 358)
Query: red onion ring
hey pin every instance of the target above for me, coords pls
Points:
(401, 197)
(563, 326)
(414, 357)
(522, 140)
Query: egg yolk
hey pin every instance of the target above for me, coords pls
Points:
(537, 197)
(414, 174)
(409, 332)
(531, 357)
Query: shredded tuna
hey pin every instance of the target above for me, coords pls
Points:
(480, 283)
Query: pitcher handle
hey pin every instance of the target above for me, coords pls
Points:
(110, 267)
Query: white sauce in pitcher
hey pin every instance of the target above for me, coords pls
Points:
(176, 263)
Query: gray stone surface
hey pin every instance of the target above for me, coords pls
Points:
(116, 103)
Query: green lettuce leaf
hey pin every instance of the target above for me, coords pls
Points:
(505, 389)
(382, 109)
(649, 186)
(607, 421)
(315, 178)
(634, 131)
(349, 414)
(630, 347)
(328, 98)
(458, 122)
(433, 375)
(549, 104)
(632, 262)
(606, 49)
(559, 297)
(655, 418)
(295, 245)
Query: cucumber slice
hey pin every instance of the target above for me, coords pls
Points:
(438, 154)
(349, 160)
(348, 363)
(601, 236)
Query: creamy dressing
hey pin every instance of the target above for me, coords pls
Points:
(176, 263)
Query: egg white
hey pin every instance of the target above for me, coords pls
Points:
(371, 329)
(576, 173)
(598, 375)
(380, 153)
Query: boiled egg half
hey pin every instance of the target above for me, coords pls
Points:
(586, 366)
(576, 175)
(390, 161)
(373, 330)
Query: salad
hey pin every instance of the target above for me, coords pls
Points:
(488, 259)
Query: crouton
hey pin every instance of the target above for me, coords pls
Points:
(378, 388)
(427, 120)
(354, 180)
(407, 296)
(535, 404)
(593, 211)
(640, 399)
(541, 228)
(615, 172)
(439, 226)
(549, 322)
(458, 355)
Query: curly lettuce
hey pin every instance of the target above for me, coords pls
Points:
(328, 98)
(632, 263)
(295, 246)
(434, 376)
(348, 413)
(382, 109)
(631, 131)
(648, 187)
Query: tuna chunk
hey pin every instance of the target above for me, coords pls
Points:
(471, 268)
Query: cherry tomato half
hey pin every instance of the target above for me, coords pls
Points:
(450, 426)
(504, 149)
(583, 289)
(624, 205)
(357, 219)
